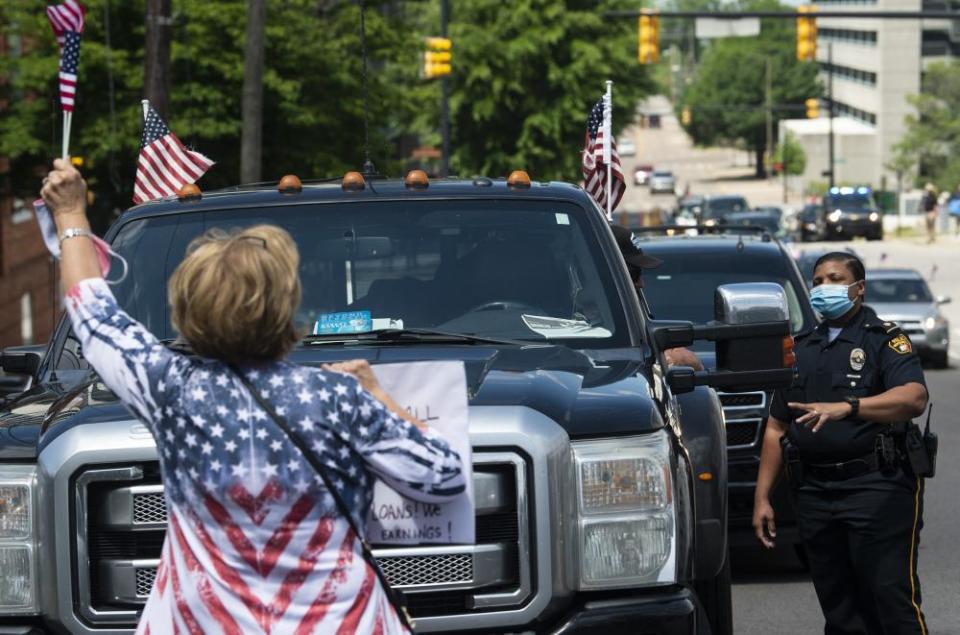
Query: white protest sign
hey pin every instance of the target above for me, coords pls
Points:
(435, 393)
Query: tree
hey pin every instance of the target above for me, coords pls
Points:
(791, 155)
(526, 74)
(930, 148)
(727, 97)
(251, 140)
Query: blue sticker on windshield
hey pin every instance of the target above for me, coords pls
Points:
(350, 322)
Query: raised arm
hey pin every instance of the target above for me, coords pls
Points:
(128, 358)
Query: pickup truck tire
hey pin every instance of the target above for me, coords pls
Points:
(717, 602)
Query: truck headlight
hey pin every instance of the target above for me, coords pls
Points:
(626, 520)
(18, 593)
(835, 216)
(874, 217)
(934, 322)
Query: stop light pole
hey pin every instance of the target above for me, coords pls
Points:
(830, 112)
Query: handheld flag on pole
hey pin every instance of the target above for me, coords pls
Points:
(67, 21)
(165, 165)
(602, 175)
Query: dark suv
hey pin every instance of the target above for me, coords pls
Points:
(852, 212)
(600, 474)
(694, 265)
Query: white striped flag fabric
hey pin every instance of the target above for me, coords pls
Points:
(65, 17)
(165, 165)
(595, 168)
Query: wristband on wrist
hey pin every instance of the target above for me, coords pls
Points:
(854, 405)
(73, 232)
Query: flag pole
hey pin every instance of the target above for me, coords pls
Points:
(145, 104)
(608, 144)
(67, 120)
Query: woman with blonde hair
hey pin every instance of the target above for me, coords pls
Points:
(268, 467)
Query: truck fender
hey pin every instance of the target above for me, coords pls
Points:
(705, 438)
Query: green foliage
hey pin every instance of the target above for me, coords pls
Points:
(525, 76)
(526, 73)
(790, 153)
(728, 94)
(931, 145)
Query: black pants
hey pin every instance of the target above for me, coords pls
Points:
(861, 536)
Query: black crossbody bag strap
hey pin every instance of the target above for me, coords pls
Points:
(392, 596)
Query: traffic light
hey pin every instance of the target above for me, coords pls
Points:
(437, 58)
(806, 34)
(685, 116)
(813, 108)
(648, 35)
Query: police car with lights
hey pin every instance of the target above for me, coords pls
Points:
(600, 473)
(852, 212)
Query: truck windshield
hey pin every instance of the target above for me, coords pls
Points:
(520, 270)
(856, 202)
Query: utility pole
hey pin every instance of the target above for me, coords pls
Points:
(251, 136)
(156, 76)
(768, 100)
(830, 98)
(445, 100)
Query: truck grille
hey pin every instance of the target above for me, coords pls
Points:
(745, 413)
(121, 523)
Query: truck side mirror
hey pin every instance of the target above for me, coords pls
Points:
(752, 332)
(943, 299)
(20, 365)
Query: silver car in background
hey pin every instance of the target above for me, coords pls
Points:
(662, 181)
(902, 296)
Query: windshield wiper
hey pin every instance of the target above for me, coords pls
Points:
(410, 336)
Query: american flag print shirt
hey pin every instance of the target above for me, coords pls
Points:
(254, 541)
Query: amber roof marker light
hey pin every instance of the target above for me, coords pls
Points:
(189, 192)
(353, 182)
(519, 179)
(416, 180)
(290, 184)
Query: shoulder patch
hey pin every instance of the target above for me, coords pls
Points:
(901, 344)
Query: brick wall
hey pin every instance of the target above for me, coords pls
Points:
(25, 268)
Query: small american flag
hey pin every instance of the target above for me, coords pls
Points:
(165, 165)
(66, 17)
(594, 167)
(69, 60)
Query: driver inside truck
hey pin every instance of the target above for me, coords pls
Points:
(637, 261)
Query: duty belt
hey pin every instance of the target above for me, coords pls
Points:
(884, 457)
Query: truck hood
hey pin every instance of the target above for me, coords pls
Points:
(588, 393)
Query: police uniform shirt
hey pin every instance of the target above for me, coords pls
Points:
(867, 358)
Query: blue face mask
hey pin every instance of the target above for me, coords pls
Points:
(831, 300)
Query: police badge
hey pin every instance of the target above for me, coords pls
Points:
(857, 359)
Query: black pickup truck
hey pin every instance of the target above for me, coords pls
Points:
(697, 264)
(601, 474)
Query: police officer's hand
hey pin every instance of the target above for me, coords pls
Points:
(763, 524)
(817, 414)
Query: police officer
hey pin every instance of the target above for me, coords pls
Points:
(859, 507)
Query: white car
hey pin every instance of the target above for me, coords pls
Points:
(626, 147)
(662, 181)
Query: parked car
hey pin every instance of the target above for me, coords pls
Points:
(902, 296)
(852, 212)
(589, 456)
(641, 174)
(715, 208)
(806, 259)
(626, 147)
(691, 265)
(812, 223)
(662, 181)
